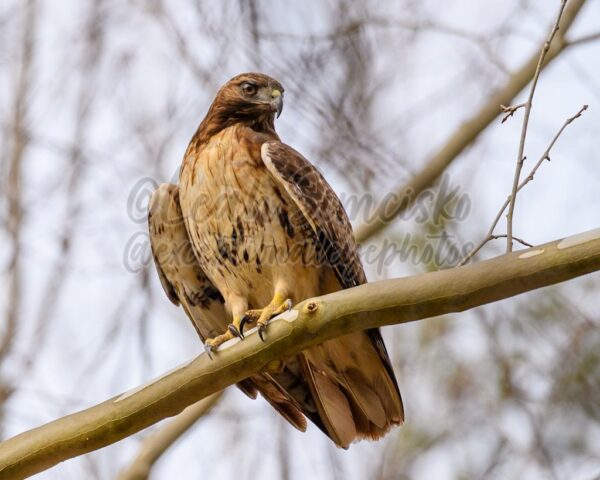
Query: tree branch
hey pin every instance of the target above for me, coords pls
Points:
(592, 37)
(521, 152)
(156, 444)
(545, 156)
(466, 133)
(14, 180)
(308, 323)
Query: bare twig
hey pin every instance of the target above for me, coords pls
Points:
(520, 240)
(510, 111)
(14, 195)
(592, 37)
(309, 323)
(404, 196)
(91, 57)
(15, 172)
(155, 445)
(545, 156)
(528, 105)
(178, 38)
(488, 239)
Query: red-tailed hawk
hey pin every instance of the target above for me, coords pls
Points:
(252, 229)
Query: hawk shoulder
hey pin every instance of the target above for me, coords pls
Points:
(321, 208)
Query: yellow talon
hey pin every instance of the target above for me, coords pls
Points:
(278, 305)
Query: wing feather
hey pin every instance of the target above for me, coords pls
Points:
(321, 208)
(180, 274)
(366, 379)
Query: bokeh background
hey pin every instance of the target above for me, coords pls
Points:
(98, 100)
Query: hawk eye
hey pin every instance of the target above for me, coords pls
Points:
(249, 88)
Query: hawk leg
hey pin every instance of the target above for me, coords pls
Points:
(278, 305)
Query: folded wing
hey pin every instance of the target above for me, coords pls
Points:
(351, 377)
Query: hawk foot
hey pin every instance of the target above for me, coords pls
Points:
(234, 329)
(261, 317)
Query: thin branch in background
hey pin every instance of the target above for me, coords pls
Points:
(545, 156)
(391, 207)
(539, 449)
(350, 28)
(249, 11)
(283, 450)
(14, 194)
(520, 240)
(156, 444)
(342, 130)
(108, 342)
(592, 37)
(178, 38)
(510, 111)
(336, 468)
(144, 318)
(90, 57)
(92, 468)
(495, 459)
(154, 147)
(15, 176)
(528, 105)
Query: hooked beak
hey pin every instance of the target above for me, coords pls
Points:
(277, 101)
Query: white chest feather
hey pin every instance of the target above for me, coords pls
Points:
(247, 232)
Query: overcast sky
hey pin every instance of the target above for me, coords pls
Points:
(129, 83)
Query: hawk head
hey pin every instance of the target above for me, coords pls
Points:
(252, 99)
(251, 95)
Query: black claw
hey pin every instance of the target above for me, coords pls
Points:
(234, 331)
(245, 319)
(208, 350)
(261, 331)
